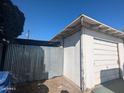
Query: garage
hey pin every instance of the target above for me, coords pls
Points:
(106, 61)
(93, 52)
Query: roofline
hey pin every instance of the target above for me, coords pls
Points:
(73, 22)
(91, 19)
(101, 23)
(35, 42)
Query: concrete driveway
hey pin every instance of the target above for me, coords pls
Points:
(114, 86)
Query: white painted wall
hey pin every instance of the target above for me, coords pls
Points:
(87, 50)
(88, 57)
(72, 58)
(121, 58)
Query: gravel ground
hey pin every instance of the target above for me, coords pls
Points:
(55, 85)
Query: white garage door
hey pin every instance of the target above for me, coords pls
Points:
(105, 61)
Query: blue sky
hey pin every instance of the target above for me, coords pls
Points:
(46, 18)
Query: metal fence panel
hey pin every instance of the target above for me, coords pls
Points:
(28, 63)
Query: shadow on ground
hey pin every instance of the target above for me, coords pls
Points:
(32, 87)
(55, 85)
(64, 91)
(114, 86)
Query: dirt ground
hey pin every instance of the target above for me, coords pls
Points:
(63, 85)
(55, 85)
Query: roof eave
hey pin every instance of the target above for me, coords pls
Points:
(89, 23)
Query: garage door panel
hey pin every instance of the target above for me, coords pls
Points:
(105, 57)
(105, 61)
(107, 72)
(105, 79)
(110, 77)
(104, 67)
(102, 47)
(104, 43)
(107, 75)
(104, 52)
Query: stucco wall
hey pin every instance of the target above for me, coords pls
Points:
(72, 58)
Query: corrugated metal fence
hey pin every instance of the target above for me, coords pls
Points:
(28, 63)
